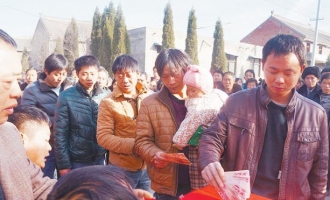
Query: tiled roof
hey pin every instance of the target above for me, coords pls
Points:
(56, 27)
(306, 30)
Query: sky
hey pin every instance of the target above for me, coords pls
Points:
(19, 18)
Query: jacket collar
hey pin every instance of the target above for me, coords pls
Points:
(265, 99)
(96, 90)
(117, 92)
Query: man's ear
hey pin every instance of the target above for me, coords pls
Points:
(25, 138)
(302, 68)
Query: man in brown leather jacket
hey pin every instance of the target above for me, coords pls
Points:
(278, 135)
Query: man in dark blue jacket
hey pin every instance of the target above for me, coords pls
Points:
(76, 117)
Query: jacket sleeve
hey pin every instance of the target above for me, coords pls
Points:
(212, 142)
(41, 186)
(28, 97)
(61, 134)
(145, 145)
(189, 125)
(105, 131)
(318, 174)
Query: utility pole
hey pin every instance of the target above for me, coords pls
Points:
(315, 34)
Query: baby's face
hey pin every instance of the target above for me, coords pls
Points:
(194, 92)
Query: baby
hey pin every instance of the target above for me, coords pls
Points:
(203, 104)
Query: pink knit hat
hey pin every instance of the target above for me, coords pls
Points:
(198, 77)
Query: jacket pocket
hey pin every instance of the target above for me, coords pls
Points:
(307, 145)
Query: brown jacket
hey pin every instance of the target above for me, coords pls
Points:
(156, 127)
(116, 128)
(238, 133)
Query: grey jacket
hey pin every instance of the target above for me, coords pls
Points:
(19, 177)
(238, 132)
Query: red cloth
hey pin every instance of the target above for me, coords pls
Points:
(209, 193)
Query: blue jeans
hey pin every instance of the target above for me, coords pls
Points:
(50, 165)
(98, 161)
(138, 179)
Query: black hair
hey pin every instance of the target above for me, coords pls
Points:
(7, 39)
(84, 61)
(125, 62)
(93, 183)
(251, 71)
(325, 76)
(237, 79)
(218, 71)
(252, 80)
(111, 87)
(55, 62)
(283, 45)
(175, 59)
(26, 114)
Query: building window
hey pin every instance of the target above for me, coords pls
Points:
(231, 61)
(255, 64)
(320, 49)
(308, 47)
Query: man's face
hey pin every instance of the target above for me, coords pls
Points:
(228, 81)
(310, 81)
(102, 79)
(37, 145)
(88, 76)
(31, 76)
(217, 77)
(55, 78)
(174, 83)
(126, 80)
(248, 75)
(325, 86)
(10, 71)
(281, 75)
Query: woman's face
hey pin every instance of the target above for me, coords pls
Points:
(55, 78)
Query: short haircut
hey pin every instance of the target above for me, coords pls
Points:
(7, 39)
(229, 73)
(102, 69)
(252, 80)
(251, 71)
(175, 59)
(55, 62)
(237, 79)
(218, 71)
(84, 61)
(325, 76)
(27, 114)
(83, 183)
(31, 68)
(283, 45)
(125, 62)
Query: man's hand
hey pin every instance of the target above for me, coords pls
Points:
(64, 171)
(159, 160)
(214, 175)
(142, 194)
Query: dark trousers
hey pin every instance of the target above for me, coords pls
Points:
(182, 189)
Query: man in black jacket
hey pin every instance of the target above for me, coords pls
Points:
(76, 117)
(311, 77)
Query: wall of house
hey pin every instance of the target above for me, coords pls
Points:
(266, 31)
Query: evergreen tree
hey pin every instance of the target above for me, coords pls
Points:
(59, 46)
(219, 60)
(106, 49)
(127, 42)
(25, 60)
(120, 34)
(168, 33)
(96, 34)
(191, 40)
(70, 43)
(328, 61)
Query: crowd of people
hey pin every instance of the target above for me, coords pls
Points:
(89, 136)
